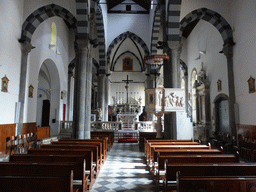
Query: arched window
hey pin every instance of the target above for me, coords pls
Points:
(53, 37)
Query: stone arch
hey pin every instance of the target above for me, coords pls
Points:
(155, 31)
(37, 17)
(184, 67)
(123, 36)
(114, 63)
(217, 102)
(101, 37)
(212, 17)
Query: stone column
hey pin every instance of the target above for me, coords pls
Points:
(26, 47)
(70, 75)
(82, 91)
(107, 90)
(228, 52)
(172, 67)
(101, 93)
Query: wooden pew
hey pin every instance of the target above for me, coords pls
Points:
(103, 134)
(207, 169)
(149, 145)
(166, 152)
(216, 183)
(25, 158)
(159, 170)
(86, 152)
(96, 152)
(39, 176)
(146, 142)
(94, 141)
(150, 154)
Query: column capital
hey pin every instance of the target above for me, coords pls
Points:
(175, 45)
(26, 47)
(228, 50)
(82, 44)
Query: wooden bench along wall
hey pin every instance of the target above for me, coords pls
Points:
(86, 152)
(216, 183)
(40, 176)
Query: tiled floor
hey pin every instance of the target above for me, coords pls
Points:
(124, 171)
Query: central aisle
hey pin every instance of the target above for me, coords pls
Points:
(125, 170)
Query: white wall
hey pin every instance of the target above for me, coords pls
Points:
(10, 56)
(244, 16)
(120, 23)
(42, 53)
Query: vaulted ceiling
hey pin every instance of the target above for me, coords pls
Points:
(142, 3)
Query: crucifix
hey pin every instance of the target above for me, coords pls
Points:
(126, 87)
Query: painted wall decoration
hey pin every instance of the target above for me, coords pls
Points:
(5, 82)
(251, 84)
(30, 91)
(127, 64)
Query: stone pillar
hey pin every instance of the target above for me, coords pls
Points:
(70, 75)
(107, 90)
(26, 47)
(101, 93)
(228, 52)
(172, 67)
(82, 91)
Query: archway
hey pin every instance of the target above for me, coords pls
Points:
(222, 123)
(48, 102)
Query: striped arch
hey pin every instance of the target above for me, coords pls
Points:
(173, 16)
(184, 67)
(71, 65)
(82, 12)
(123, 36)
(212, 17)
(112, 67)
(155, 30)
(40, 15)
(101, 37)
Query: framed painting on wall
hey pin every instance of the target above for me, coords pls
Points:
(5, 82)
(251, 84)
(30, 91)
(127, 64)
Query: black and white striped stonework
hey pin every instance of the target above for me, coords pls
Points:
(101, 37)
(123, 36)
(173, 29)
(212, 17)
(155, 31)
(82, 13)
(37, 17)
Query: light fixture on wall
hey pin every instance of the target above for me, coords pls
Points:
(200, 53)
(51, 46)
(94, 42)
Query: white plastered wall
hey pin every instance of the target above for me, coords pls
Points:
(10, 56)
(245, 58)
(60, 58)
